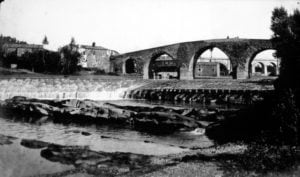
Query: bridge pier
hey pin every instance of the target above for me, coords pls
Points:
(242, 75)
(265, 73)
(185, 74)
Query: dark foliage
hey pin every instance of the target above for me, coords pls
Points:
(9, 40)
(286, 40)
(276, 119)
(9, 59)
(70, 58)
(33, 61)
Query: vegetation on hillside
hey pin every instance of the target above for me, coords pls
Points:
(9, 40)
(43, 61)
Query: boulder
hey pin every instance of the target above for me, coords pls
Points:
(33, 144)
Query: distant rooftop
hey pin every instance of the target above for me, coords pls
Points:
(98, 48)
(93, 47)
(36, 46)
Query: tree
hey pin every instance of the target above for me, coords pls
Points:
(72, 43)
(10, 58)
(286, 41)
(52, 60)
(45, 41)
(70, 58)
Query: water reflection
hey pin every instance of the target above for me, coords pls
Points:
(16, 160)
(103, 138)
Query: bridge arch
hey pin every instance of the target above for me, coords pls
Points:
(269, 63)
(130, 66)
(272, 69)
(216, 65)
(162, 65)
(133, 65)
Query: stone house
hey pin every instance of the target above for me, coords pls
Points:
(96, 57)
(20, 49)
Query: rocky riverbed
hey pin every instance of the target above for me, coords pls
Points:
(156, 119)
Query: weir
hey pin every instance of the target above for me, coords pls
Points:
(61, 89)
(206, 96)
(206, 92)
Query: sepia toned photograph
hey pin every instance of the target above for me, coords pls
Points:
(149, 88)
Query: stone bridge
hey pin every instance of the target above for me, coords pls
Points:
(240, 52)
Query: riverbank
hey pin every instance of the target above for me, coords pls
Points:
(74, 161)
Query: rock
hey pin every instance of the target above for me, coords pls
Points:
(41, 111)
(33, 144)
(198, 131)
(146, 141)
(104, 137)
(18, 98)
(103, 163)
(6, 140)
(158, 119)
(42, 120)
(85, 133)
(161, 122)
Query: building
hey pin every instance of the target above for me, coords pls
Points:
(96, 57)
(20, 49)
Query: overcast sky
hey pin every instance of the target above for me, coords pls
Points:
(129, 25)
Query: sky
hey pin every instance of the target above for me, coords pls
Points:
(130, 25)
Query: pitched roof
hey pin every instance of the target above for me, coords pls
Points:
(93, 47)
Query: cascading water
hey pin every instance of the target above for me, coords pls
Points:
(66, 88)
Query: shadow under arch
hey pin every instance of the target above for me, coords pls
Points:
(133, 65)
(162, 62)
(272, 69)
(130, 66)
(259, 67)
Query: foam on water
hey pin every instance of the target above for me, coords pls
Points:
(65, 89)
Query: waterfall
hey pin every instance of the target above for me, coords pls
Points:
(66, 88)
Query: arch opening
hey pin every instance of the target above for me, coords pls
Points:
(264, 63)
(212, 62)
(130, 66)
(272, 69)
(164, 66)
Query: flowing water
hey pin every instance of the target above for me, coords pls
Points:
(61, 88)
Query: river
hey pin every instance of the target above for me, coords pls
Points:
(17, 160)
